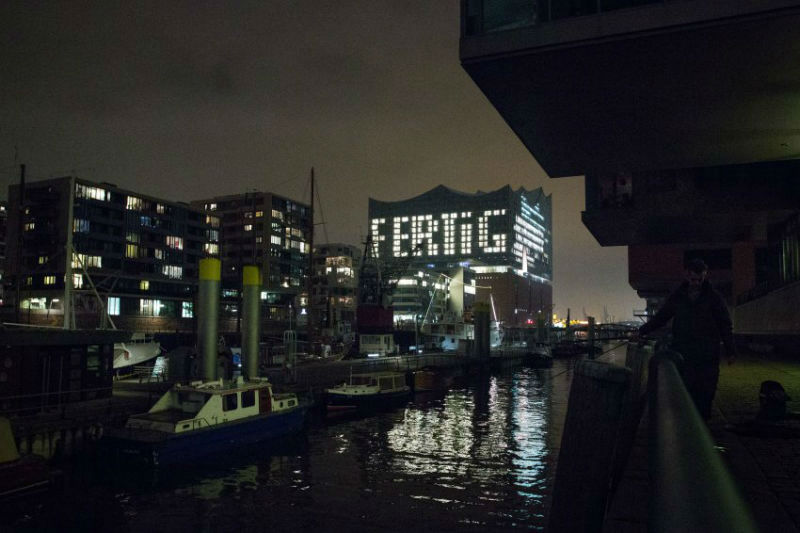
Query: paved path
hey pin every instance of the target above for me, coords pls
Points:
(764, 460)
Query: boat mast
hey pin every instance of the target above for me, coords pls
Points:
(310, 277)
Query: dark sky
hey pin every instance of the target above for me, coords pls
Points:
(185, 100)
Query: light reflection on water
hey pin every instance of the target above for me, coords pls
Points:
(475, 458)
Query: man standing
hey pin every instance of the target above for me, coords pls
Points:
(700, 320)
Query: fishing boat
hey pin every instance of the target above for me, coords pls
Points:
(373, 390)
(190, 421)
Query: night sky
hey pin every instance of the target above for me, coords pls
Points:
(185, 100)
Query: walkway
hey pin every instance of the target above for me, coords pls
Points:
(764, 459)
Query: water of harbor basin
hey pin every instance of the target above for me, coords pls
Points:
(478, 457)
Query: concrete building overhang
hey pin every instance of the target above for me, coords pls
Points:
(615, 227)
(667, 85)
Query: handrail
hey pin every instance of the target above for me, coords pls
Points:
(692, 489)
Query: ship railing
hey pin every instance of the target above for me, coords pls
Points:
(148, 374)
(56, 403)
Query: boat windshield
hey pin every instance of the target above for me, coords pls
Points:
(362, 380)
(191, 401)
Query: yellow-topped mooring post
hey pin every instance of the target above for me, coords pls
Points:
(251, 314)
(207, 316)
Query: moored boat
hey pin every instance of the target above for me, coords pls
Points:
(373, 390)
(539, 355)
(429, 380)
(194, 420)
(19, 475)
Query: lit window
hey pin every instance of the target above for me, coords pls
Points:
(30, 226)
(86, 261)
(49, 280)
(42, 259)
(172, 271)
(275, 239)
(248, 227)
(132, 237)
(187, 310)
(259, 214)
(131, 250)
(158, 253)
(133, 203)
(144, 285)
(92, 193)
(77, 281)
(211, 207)
(259, 239)
(211, 248)
(150, 307)
(160, 209)
(80, 225)
(174, 242)
(113, 306)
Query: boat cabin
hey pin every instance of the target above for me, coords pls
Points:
(374, 382)
(205, 404)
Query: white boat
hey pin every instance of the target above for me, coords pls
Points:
(193, 420)
(140, 349)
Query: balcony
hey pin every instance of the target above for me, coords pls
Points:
(635, 85)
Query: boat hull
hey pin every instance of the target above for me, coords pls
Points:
(165, 449)
(341, 402)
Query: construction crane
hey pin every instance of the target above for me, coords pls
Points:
(376, 284)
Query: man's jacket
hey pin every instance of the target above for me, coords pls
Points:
(697, 326)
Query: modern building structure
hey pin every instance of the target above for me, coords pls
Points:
(3, 232)
(334, 294)
(677, 114)
(503, 236)
(86, 254)
(274, 233)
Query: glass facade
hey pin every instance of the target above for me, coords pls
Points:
(444, 228)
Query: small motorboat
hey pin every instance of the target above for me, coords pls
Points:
(201, 418)
(373, 390)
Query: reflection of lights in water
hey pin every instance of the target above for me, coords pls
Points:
(212, 488)
(436, 440)
(529, 434)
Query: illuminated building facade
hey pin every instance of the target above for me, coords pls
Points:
(134, 255)
(272, 232)
(334, 292)
(504, 236)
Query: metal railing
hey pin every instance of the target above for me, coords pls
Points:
(52, 402)
(691, 489)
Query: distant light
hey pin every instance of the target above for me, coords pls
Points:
(373, 355)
